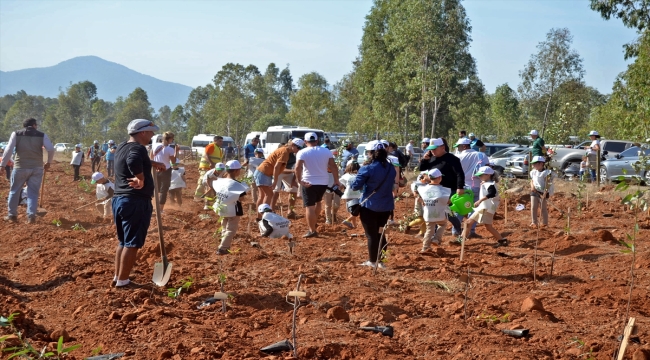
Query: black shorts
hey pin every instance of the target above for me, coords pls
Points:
(313, 194)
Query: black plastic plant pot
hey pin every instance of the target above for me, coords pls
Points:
(516, 333)
(384, 330)
(279, 346)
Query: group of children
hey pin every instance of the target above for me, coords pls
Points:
(432, 203)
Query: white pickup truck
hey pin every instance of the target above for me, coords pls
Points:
(564, 157)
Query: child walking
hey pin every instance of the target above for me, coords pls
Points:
(252, 164)
(211, 175)
(422, 180)
(435, 199)
(228, 191)
(177, 185)
(584, 167)
(77, 161)
(350, 196)
(105, 189)
(486, 206)
(541, 187)
(273, 225)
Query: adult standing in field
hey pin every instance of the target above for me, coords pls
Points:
(312, 168)
(287, 182)
(249, 149)
(327, 144)
(349, 153)
(110, 159)
(212, 155)
(538, 148)
(476, 144)
(95, 154)
(165, 153)
(268, 173)
(592, 153)
(471, 160)
(425, 142)
(376, 181)
(409, 151)
(134, 189)
(28, 167)
(437, 156)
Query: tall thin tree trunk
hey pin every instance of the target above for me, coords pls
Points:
(423, 114)
(434, 117)
(406, 126)
(548, 104)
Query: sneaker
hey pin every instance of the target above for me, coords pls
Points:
(502, 242)
(367, 263)
(381, 265)
(425, 250)
(474, 236)
(532, 226)
(223, 252)
(457, 241)
(10, 218)
(31, 220)
(292, 215)
(132, 285)
(328, 221)
(310, 234)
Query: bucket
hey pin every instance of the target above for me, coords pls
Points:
(462, 204)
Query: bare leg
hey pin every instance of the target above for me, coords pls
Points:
(493, 231)
(127, 260)
(468, 224)
(118, 258)
(266, 194)
(274, 199)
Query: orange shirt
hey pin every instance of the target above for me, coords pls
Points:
(281, 154)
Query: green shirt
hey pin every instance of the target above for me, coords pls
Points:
(538, 145)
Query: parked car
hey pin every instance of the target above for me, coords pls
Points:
(621, 165)
(500, 158)
(563, 157)
(517, 166)
(492, 148)
(361, 148)
(63, 147)
(415, 159)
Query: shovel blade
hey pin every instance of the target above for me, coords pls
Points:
(160, 274)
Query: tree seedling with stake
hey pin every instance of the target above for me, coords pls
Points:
(174, 293)
(25, 349)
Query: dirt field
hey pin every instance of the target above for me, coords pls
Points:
(59, 279)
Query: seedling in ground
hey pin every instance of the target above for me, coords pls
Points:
(25, 349)
(494, 318)
(174, 293)
(581, 344)
(78, 227)
(439, 284)
(56, 222)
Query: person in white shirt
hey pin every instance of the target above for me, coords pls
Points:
(409, 149)
(77, 161)
(104, 191)
(592, 153)
(251, 164)
(228, 191)
(351, 197)
(312, 164)
(165, 153)
(541, 187)
(177, 184)
(273, 225)
(207, 179)
(434, 198)
(486, 206)
(470, 160)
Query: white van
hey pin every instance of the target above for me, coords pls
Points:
(277, 135)
(200, 141)
(252, 135)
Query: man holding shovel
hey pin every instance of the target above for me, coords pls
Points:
(134, 189)
(28, 167)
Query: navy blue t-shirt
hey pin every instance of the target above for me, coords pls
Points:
(132, 158)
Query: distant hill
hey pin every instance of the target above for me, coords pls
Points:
(112, 80)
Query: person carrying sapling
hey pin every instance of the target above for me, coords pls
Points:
(209, 176)
(541, 187)
(422, 180)
(228, 191)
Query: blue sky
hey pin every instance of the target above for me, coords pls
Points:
(187, 42)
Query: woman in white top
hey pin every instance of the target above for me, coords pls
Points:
(165, 153)
(592, 153)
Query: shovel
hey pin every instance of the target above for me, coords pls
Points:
(40, 211)
(161, 270)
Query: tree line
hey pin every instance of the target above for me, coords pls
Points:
(414, 77)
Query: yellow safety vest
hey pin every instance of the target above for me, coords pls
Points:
(216, 157)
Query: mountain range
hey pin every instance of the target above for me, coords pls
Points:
(112, 80)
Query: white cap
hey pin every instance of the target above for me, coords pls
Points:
(111, 142)
(140, 125)
(96, 176)
(233, 165)
(263, 208)
(534, 132)
(463, 141)
(593, 133)
(426, 140)
(435, 143)
(260, 150)
(299, 143)
(79, 146)
(434, 173)
(311, 136)
(385, 142)
(537, 159)
(374, 145)
(484, 170)
(350, 162)
(219, 166)
(95, 142)
(472, 135)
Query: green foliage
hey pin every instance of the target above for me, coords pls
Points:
(25, 349)
(184, 285)
(311, 105)
(78, 227)
(84, 185)
(581, 186)
(493, 318)
(56, 222)
(633, 14)
(505, 114)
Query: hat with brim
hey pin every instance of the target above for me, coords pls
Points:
(594, 133)
(484, 170)
(95, 177)
(233, 165)
(264, 208)
(537, 159)
(140, 125)
(299, 143)
(435, 143)
(220, 166)
(434, 173)
(463, 141)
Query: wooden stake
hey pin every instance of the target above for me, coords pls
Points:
(568, 221)
(553, 261)
(505, 211)
(626, 337)
(535, 260)
(466, 290)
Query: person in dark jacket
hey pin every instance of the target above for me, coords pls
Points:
(376, 181)
(453, 176)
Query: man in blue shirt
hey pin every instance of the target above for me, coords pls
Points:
(110, 158)
(350, 152)
(249, 149)
(476, 144)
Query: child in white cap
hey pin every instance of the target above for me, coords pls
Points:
(273, 225)
(350, 196)
(77, 161)
(211, 175)
(104, 191)
(485, 206)
(541, 187)
(422, 180)
(435, 201)
(228, 191)
(177, 184)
